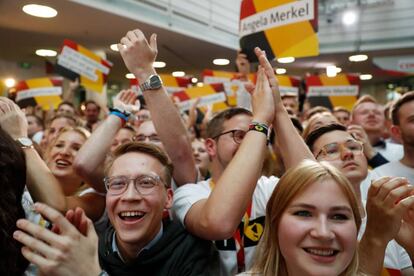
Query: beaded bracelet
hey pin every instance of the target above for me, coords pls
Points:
(260, 127)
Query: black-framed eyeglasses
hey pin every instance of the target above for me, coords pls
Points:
(144, 184)
(333, 151)
(237, 135)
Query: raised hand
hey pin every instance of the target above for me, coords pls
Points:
(67, 253)
(137, 53)
(262, 99)
(270, 73)
(12, 118)
(126, 100)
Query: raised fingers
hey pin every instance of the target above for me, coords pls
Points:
(35, 244)
(55, 217)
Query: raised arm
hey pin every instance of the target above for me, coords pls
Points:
(294, 148)
(91, 157)
(218, 216)
(42, 184)
(139, 55)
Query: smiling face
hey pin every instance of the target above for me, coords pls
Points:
(61, 156)
(137, 218)
(318, 237)
(353, 166)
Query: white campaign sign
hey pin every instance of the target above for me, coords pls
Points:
(80, 64)
(206, 100)
(294, 12)
(41, 91)
(335, 90)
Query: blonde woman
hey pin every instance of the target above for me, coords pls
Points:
(312, 223)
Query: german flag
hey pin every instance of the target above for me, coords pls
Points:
(45, 92)
(75, 61)
(390, 272)
(283, 28)
(341, 90)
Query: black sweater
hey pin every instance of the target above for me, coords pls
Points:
(176, 253)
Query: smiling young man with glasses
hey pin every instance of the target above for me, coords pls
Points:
(385, 204)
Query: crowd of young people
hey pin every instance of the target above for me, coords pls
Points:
(148, 190)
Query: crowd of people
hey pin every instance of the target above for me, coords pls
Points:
(146, 189)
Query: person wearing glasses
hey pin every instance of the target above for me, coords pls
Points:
(383, 209)
(138, 241)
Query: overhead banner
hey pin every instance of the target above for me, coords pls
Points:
(396, 65)
(342, 90)
(45, 92)
(171, 84)
(75, 61)
(209, 94)
(283, 28)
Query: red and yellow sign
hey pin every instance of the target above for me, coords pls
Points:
(341, 90)
(209, 94)
(75, 61)
(283, 28)
(45, 92)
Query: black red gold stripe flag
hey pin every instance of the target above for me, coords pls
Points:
(76, 61)
(342, 90)
(283, 28)
(45, 92)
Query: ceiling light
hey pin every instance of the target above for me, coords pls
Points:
(114, 47)
(365, 77)
(280, 71)
(39, 11)
(130, 76)
(194, 80)
(331, 71)
(221, 61)
(46, 53)
(349, 18)
(286, 60)
(358, 58)
(10, 82)
(178, 74)
(200, 84)
(159, 64)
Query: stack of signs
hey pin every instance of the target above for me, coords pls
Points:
(171, 84)
(75, 61)
(341, 90)
(209, 94)
(283, 28)
(45, 92)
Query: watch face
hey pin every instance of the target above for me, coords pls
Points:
(155, 82)
(26, 142)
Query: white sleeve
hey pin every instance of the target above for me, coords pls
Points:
(185, 196)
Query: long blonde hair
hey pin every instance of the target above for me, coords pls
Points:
(269, 260)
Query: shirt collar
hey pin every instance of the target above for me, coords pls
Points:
(146, 247)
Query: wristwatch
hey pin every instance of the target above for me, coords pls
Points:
(25, 142)
(153, 82)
